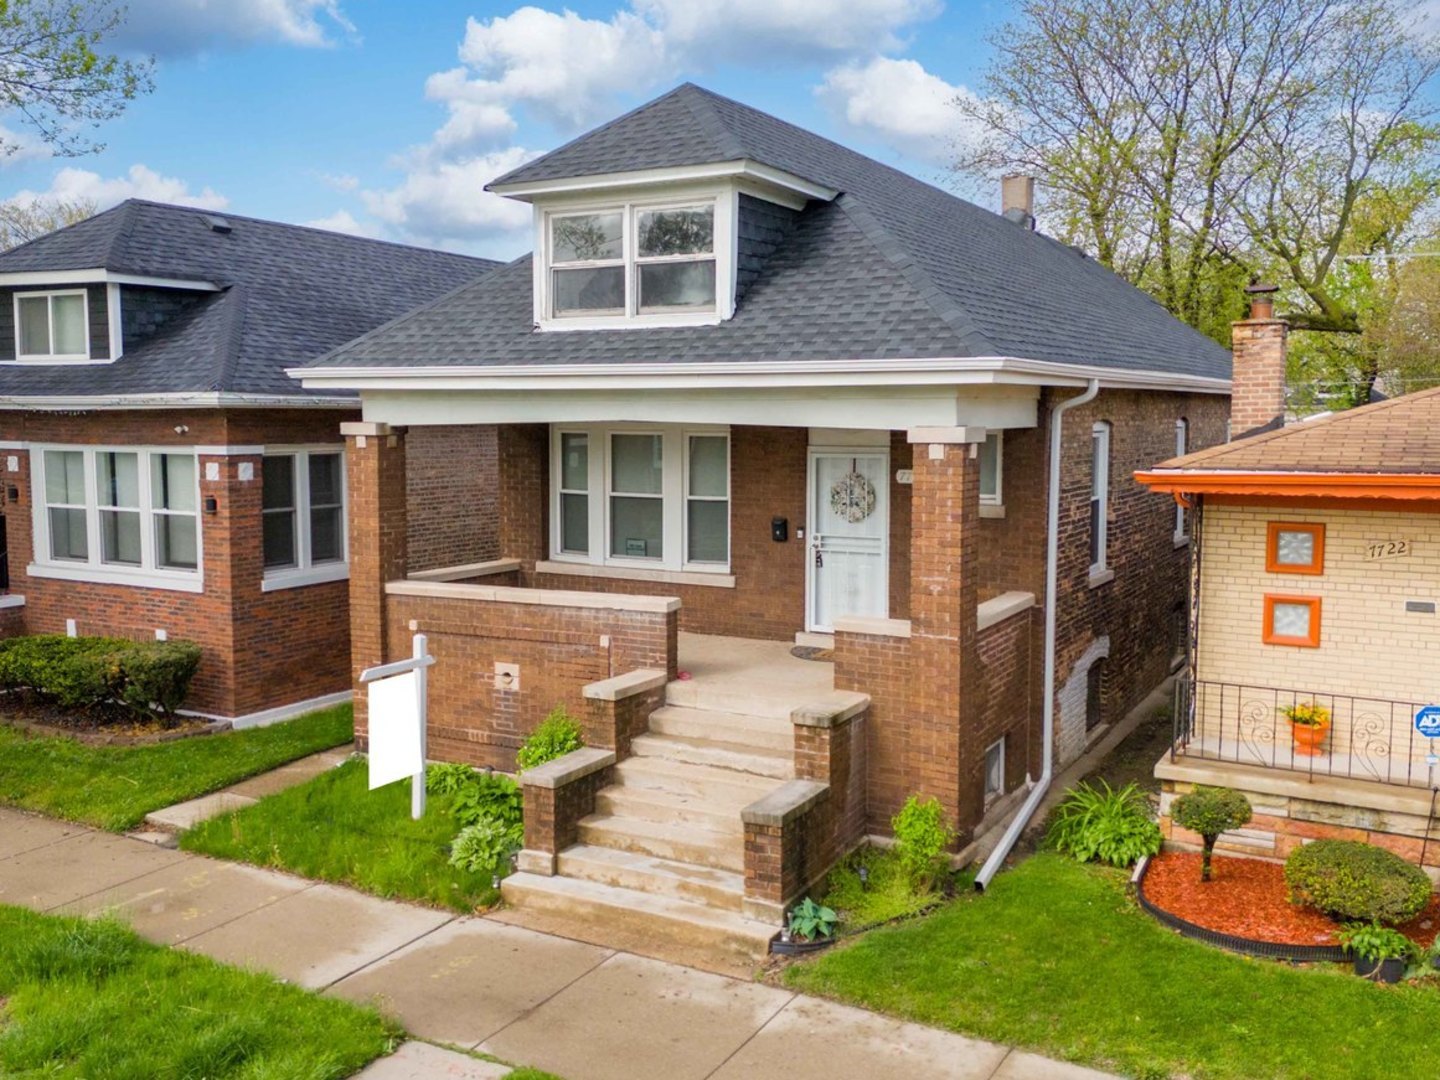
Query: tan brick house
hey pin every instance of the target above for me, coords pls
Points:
(161, 477)
(1316, 553)
(754, 392)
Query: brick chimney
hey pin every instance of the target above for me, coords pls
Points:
(1017, 199)
(1257, 394)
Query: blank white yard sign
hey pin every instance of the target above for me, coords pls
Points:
(396, 748)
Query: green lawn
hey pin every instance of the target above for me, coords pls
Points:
(114, 787)
(92, 1001)
(1056, 958)
(334, 829)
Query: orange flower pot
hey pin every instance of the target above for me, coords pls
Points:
(1309, 738)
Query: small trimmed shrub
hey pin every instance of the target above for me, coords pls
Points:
(1350, 880)
(485, 847)
(555, 737)
(810, 921)
(1105, 825)
(149, 678)
(1210, 811)
(922, 836)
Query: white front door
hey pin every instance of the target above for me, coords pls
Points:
(849, 544)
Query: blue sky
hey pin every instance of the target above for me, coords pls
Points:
(386, 118)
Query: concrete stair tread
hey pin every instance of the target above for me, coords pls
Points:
(654, 771)
(596, 903)
(677, 841)
(736, 757)
(711, 810)
(711, 886)
(766, 732)
(729, 698)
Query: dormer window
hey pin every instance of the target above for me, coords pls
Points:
(633, 262)
(52, 326)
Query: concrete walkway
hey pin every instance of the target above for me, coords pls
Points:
(578, 1010)
(188, 814)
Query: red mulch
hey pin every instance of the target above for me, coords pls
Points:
(1246, 897)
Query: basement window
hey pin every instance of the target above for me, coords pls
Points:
(303, 517)
(117, 515)
(995, 770)
(644, 497)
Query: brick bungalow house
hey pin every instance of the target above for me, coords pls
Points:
(756, 390)
(161, 477)
(1316, 549)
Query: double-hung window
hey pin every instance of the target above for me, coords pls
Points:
(631, 261)
(1099, 497)
(303, 517)
(991, 470)
(644, 497)
(128, 516)
(52, 326)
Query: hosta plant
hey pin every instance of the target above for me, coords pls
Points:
(485, 847)
(810, 921)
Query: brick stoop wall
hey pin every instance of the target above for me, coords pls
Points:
(261, 650)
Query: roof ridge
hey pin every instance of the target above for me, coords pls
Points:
(233, 318)
(894, 251)
(702, 107)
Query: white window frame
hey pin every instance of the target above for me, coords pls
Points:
(1182, 443)
(51, 357)
(998, 498)
(306, 571)
(148, 574)
(1100, 493)
(998, 747)
(674, 497)
(725, 242)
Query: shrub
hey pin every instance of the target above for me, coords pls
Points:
(448, 778)
(490, 797)
(1373, 942)
(810, 921)
(1210, 811)
(555, 737)
(1350, 880)
(1102, 823)
(485, 846)
(921, 837)
(151, 678)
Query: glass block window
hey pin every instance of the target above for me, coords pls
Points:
(1294, 548)
(1292, 620)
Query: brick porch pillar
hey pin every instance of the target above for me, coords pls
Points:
(375, 472)
(945, 513)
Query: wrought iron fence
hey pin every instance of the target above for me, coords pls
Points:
(1364, 738)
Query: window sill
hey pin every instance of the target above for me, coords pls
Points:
(53, 361)
(1100, 577)
(1181, 540)
(992, 510)
(139, 579)
(626, 573)
(295, 579)
(11, 600)
(628, 322)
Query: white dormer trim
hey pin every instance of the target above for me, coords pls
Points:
(724, 194)
(765, 175)
(97, 276)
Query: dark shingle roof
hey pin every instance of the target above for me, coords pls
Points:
(289, 293)
(1400, 437)
(895, 267)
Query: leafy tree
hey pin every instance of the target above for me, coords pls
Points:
(1189, 144)
(56, 75)
(21, 222)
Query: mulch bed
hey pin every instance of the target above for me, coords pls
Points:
(99, 726)
(1246, 898)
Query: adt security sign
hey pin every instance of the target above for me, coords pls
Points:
(1427, 721)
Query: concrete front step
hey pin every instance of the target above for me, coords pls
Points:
(678, 778)
(659, 877)
(765, 732)
(727, 698)
(598, 910)
(654, 804)
(672, 840)
(776, 764)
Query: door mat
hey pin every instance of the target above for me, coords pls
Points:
(811, 652)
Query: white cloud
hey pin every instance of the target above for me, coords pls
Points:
(342, 182)
(140, 182)
(702, 28)
(178, 27)
(342, 221)
(899, 103)
(442, 202)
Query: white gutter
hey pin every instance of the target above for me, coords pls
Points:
(1052, 559)
(204, 400)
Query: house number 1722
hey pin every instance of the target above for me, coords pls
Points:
(1387, 549)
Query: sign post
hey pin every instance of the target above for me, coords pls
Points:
(397, 701)
(1427, 723)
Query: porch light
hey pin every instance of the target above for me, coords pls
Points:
(864, 876)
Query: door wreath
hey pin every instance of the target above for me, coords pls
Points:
(852, 497)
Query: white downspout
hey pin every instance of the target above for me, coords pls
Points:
(1052, 556)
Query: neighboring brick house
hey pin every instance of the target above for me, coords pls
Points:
(753, 390)
(1317, 557)
(160, 474)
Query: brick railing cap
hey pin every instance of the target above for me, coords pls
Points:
(506, 594)
(619, 687)
(468, 570)
(1002, 607)
(832, 710)
(876, 627)
(573, 766)
(785, 803)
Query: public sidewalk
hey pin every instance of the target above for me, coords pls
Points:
(577, 1010)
